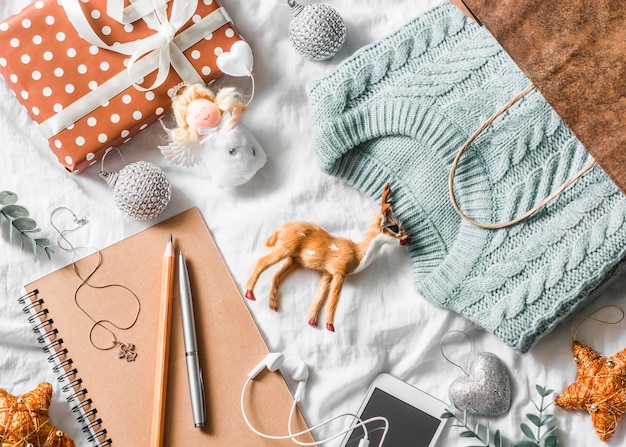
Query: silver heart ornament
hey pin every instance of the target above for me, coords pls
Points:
(486, 390)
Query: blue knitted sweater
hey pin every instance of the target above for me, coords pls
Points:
(400, 109)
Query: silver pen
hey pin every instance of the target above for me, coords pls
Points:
(194, 372)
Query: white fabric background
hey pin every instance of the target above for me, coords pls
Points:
(382, 324)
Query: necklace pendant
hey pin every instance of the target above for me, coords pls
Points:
(127, 352)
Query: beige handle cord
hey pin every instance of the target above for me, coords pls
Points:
(528, 213)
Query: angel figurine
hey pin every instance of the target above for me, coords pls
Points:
(209, 122)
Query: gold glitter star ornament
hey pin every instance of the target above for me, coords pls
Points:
(24, 420)
(600, 389)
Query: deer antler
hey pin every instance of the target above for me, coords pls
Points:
(385, 205)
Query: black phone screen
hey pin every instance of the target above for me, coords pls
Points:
(408, 426)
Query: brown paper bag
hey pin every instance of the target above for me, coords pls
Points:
(574, 52)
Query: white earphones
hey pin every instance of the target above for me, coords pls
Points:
(300, 372)
(274, 361)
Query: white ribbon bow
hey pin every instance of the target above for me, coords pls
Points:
(154, 13)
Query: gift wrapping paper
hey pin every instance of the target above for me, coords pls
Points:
(86, 97)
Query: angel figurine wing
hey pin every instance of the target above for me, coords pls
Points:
(182, 154)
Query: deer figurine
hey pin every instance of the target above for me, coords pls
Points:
(306, 245)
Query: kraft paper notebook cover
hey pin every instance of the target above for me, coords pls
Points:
(121, 392)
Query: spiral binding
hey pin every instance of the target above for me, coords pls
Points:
(87, 415)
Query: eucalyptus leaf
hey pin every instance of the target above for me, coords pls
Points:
(468, 434)
(497, 439)
(7, 198)
(25, 224)
(536, 420)
(526, 444)
(549, 432)
(14, 211)
(546, 419)
(541, 390)
(551, 441)
(527, 431)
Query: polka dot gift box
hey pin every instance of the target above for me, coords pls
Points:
(94, 73)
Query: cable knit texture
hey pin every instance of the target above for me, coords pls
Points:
(400, 109)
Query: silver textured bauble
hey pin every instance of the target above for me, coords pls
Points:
(140, 190)
(486, 391)
(316, 31)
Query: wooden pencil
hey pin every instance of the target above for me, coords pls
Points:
(163, 342)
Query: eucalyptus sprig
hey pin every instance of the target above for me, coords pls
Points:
(534, 438)
(548, 437)
(469, 432)
(19, 220)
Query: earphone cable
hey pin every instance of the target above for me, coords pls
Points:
(293, 436)
(361, 423)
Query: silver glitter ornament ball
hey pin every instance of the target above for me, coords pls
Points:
(486, 391)
(316, 31)
(140, 190)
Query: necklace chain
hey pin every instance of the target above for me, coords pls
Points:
(126, 350)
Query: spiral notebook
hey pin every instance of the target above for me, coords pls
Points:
(113, 398)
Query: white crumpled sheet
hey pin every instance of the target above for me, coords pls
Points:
(382, 324)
